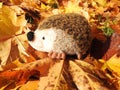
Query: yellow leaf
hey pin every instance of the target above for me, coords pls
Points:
(30, 85)
(5, 48)
(43, 6)
(10, 21)
(18, 63)
(1, 4)
(21, 41)
(12, 65)
(113, 64)
(101, 2)
(73, 7)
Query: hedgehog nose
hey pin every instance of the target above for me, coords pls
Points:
(30, 35)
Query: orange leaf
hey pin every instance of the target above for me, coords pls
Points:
(114, 46)
(116, 28)
(18, 76)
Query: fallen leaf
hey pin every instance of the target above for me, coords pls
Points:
(14, 64)
(84, 78)
(113, 64)
(53, 79)
(10, 22)
(41, 65)
(111, 68)
(116, 27)
(5, 48)
(19, 76)
(114, 46)
(1, 4)
(6, 2)
(30, 85)
(3, 83)
(101, 2)
(21, 41)
(73, 7)
(8, 86)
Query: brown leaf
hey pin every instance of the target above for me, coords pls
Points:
(6, 2)
(98, 34)
(18, 76)
(41, 65)
(114, 46)
(116, 28)
(11, 75)
(32, 15)
(84, 77)
(53, 79)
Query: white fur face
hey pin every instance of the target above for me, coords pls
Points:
(43, 40)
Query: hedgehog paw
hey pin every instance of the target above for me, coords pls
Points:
(55, 55)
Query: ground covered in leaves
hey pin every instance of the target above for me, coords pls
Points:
(23, 68)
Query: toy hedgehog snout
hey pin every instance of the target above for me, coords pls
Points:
(30, 36)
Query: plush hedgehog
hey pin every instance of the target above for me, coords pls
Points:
(61, 35)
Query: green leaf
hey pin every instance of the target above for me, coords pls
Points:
(108, 31)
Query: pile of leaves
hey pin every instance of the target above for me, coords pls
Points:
(23, 68)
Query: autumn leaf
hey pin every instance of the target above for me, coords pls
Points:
(101, 2)
(113, 64)
(5, 48)
(84, 78)
(30, 85)
(11, 21)
(111, 68)
(52, 81)
(73, 7)
(113, 46)
(21, 62)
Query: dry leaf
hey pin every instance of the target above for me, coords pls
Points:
(116, 27)
(10, 21)
(14, 64)
(113, 64)
(111, 68)
(84, 78)
(30, 85)
(8, 86)
(53, 79)
(73, 7)
(5, 48)
(21, 41)
(101, 2)
(77, 74)
(19, 76)
(114, 46)
(41, 65)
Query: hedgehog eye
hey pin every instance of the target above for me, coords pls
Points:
(43, 38)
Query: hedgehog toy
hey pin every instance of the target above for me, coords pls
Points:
(61, 35)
